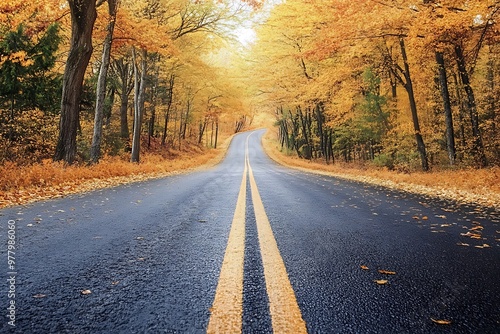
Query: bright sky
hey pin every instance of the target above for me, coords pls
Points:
(245, 35)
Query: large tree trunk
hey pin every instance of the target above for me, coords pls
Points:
(95, 149)
(140, 88)
(83, 16)
(477, 141)
(445, 94)
(413, 107)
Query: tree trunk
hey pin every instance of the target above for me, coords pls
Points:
(95, 149)
(201, 130)
(140, 88)
(303, 121)
(216, 131)
(477, 143)
(445, 94)
(154, 96)
(124, 132)
(184, 125)
(169, 106)
(413, 107)
(83, 16)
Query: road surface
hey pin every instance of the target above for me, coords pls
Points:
(249, 246)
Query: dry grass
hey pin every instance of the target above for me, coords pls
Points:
(25, 184)
(466, 186)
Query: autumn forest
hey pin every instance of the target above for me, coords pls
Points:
(407, 85)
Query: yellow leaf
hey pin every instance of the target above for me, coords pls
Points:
(477, 227)
(381, 281)
(425, 218)
(364, 267)
(441, 322)
(387, 272)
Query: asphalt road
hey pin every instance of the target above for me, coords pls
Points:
(147, 256)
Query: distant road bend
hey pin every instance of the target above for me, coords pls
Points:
(249, 246)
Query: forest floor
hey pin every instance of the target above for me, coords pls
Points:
(466, 186)
(22, 185)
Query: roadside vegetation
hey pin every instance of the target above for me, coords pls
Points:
(466, 186)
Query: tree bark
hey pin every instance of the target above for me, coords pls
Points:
(95, 149)
(154, 96)
(83, 16)
(445, 95)
(477, 143)
(170, 97)
(216, 131)
(413, 107)
(140, 88)
(122, 68)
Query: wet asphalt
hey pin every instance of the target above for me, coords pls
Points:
(150, 253)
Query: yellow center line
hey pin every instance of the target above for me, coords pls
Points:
(227, 308)
(285, 313)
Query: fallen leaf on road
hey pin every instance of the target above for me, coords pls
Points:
(416, 217)
(86, 292)
(115, 282)
(441, 322)
(477, 227)
(462, 244)
(39, 295)
(364, 267)
(381, 281)
(425, 218)
(445, 225)
(387, 272)
(471, 235)
(441, 216)
(483, 246)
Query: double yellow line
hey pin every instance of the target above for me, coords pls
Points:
(227, 309)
